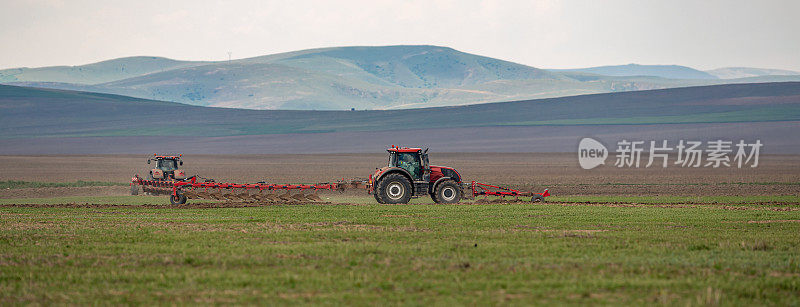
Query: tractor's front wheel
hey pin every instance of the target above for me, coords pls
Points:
(394, 189)
(448, 192)
(177, 199)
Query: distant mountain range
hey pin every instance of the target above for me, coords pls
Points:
(341, 78)
(96, 73)
(634, 70)
(681, 72)
(747, 72)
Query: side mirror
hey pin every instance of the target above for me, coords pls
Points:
(148, 161)
(181, 163)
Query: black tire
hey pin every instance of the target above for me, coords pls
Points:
(394, 189)
(134, 189)
(378, 199)
(448, 192)
(537, 198)
(179, 199)
(433, 197)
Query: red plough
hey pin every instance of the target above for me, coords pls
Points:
(482, 189)
(191, 188)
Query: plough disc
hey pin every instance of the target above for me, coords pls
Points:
(269, 197)
(313, 197)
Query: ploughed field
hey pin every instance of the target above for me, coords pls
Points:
(775, 175)
(69, 233)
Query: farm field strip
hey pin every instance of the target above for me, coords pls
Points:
(535, 170)
(606, 236)
(365, 199)
(405, 254)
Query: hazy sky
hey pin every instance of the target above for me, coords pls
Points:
(545, 34)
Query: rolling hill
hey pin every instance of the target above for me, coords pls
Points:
(29, 112)
(633, 70)
(324, 79)
(101, 72)
(344, 78)
(747, 72)
(47, 121)
(410, 66)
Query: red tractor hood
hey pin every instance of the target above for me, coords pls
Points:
(444, 171)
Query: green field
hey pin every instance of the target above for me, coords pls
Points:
(421, 254)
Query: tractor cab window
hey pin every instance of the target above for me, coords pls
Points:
(410, 162)
(167, 165)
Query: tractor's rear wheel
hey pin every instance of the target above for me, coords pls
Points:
(448, 192)
(433, 197)
(378, 199)
(537, 198)
(178, 199)
(394, 189)
(134, 189)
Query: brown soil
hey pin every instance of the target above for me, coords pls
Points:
(64, 191)
(527, 171)
(768, 206)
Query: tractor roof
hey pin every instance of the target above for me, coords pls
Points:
(403, 149)
(157, 157)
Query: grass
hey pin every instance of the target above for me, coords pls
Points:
(422, 254)
(668, 199)
(16, 184)
(360, 199)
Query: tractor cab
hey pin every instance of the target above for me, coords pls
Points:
(166, 167)
(413, 160)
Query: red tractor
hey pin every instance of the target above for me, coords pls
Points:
(165, 172)
(167, 167)
(410, 175)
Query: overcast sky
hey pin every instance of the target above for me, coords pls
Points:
(545, 34)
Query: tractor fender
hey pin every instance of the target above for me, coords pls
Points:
(436, 183)
(393, 170)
